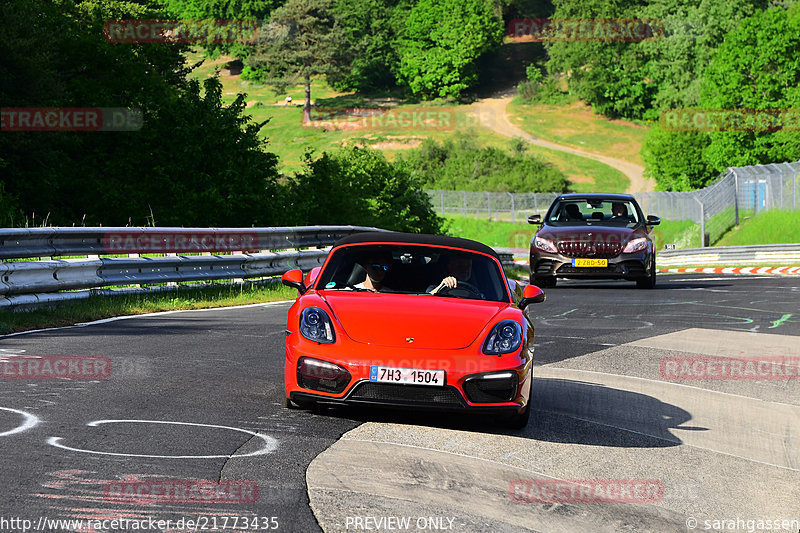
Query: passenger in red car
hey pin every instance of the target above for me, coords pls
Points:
(377, 266)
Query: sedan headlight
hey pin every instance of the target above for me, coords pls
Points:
(505, 337)
(544, 245)
(635, 245)
(316, 325)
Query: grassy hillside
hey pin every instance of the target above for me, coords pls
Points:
(290, 139)
(575, 125)
(775, 226)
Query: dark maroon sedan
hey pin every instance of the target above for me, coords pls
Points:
(602, 236)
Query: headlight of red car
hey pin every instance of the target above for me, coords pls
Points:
(505, 337)
(316, 325)
(635, 245)
(545, 245)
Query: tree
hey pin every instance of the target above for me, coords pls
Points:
(302, 39)
(757, 67)
(358, 186)
(441, 42)
(369, 35)
(195, 161)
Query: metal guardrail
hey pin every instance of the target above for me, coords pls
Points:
(26, 283)
(53, 242)
(731, 255)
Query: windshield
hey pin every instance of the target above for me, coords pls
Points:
(413, 269)
(593, 212)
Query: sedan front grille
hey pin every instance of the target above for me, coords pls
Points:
(589, 249)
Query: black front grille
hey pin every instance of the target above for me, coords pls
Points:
(589, 249)
(569, 269)
(417, 394)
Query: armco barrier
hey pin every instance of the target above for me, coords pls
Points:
(28, 283)
(772, 254)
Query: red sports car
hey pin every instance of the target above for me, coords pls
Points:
(411, 321)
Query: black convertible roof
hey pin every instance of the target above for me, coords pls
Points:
(415, 238)
(595, 195)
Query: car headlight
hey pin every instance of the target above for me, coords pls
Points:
(316, 325)
(505, 337)
(635, 245)
(544, 245)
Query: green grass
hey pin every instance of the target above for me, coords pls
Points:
(584, 175)
(99, 307)
(681, 233)
(775, 226)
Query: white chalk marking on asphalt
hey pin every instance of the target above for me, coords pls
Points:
(29, 421)
(270, 444)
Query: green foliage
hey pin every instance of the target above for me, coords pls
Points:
(776, 226)
(441, 42)
(460, 163)
(358, 186)
(757, 67)
(635, 80)
(541, 89)
(369, 34)
(233, 10)
(194, 162)
(674, 159)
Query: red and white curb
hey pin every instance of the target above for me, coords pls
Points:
(781, 271)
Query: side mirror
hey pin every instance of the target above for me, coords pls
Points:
(531, 295)
(652, 220)
(294, 279)
(535, 219)
(311, 277)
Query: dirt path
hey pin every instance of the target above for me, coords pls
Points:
(492, 114)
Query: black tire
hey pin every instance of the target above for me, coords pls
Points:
(650, 281)
(544, 282)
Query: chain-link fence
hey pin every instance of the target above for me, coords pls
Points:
(738, 191)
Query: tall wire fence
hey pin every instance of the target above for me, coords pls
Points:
(737, 192)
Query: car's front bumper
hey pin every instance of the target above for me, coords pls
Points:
(459, 368)
(632, 266)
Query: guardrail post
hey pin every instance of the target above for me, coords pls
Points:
(702, 223)
(794, 185)
(736, 194)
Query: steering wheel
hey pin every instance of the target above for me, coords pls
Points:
(463, 285)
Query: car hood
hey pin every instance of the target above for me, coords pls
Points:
(433, 322)
(603, 234)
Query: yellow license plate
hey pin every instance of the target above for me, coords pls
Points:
(590, 262)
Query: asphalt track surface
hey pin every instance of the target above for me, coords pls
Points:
(197, 395)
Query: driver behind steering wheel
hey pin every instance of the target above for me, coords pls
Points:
(459, 268)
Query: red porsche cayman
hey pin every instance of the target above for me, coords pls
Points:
(411, 321)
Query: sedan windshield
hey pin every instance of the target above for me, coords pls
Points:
(409, 269)
(593, 212)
